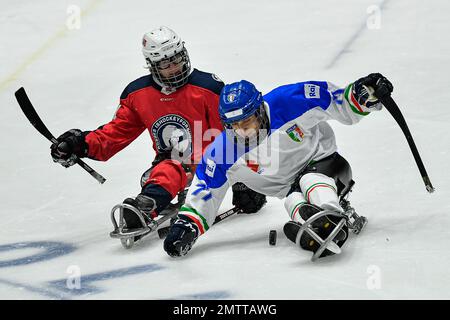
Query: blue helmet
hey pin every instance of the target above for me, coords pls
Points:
(238, 101)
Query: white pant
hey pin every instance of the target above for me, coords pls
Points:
(317, 189)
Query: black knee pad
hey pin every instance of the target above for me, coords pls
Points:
(333, 166)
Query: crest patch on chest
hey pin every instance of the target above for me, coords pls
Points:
(295, 133)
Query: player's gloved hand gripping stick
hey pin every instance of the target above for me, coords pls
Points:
(31, 114)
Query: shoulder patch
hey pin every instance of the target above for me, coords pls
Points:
(206, 80)
(312, 91)
(291, 101)
(210, 168)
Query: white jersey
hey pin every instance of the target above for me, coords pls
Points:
(299, 134)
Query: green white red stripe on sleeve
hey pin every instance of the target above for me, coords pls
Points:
(196, 217)
(354, 105)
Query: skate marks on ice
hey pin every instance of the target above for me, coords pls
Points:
(39, 52)
(85, 285)
(346, 47)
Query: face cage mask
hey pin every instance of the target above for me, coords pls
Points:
(261, 134)
(176, 81)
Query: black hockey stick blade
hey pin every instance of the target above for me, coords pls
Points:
(32, 116)
(385, 97)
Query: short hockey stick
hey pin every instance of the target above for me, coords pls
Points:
(31, 114)
(162, 232)
(384, 95)
(227, 214)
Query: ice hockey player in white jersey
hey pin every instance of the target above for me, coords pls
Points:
(280, 145)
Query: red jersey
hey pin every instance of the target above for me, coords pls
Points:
(165, 116)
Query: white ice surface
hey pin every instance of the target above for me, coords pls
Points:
(75, 81)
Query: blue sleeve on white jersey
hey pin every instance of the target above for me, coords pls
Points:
(218, 157)
(290, 101)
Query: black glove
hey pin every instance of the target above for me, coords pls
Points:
(372, 81)
(246, 199)
(70, 145)
(181, 237)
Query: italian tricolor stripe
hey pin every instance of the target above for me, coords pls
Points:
(198, 219)
(356, 107)
(317, 185)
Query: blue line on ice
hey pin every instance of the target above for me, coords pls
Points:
(210, 295)
(86, 286)
(51, 250)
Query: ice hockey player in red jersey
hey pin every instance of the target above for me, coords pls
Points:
(177, 105)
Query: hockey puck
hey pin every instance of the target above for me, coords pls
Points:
(273, 237)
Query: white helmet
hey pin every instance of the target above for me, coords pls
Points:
(161, 47)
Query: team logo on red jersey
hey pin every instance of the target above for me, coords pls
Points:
(172, 131)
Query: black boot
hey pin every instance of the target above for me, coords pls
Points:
(322, 227)
(143, 204)
(307, 242)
